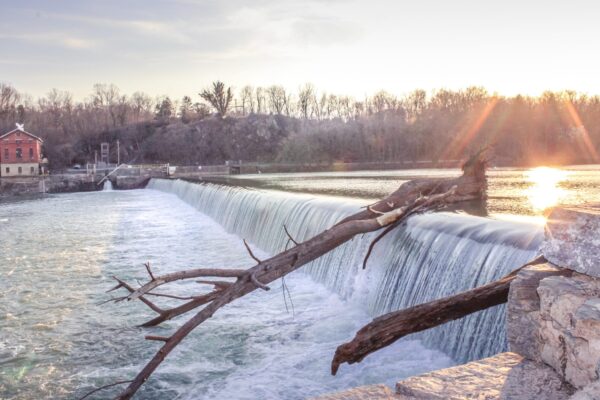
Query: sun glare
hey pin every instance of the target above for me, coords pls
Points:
(545, 190)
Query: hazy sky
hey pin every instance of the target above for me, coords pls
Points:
(348, 47)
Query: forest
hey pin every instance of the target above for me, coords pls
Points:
(271, 124)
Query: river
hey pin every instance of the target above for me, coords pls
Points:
(58, 255)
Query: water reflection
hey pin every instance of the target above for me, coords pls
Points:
(545, 190)
(511, 191)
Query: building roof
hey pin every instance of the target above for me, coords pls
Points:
(22, 131)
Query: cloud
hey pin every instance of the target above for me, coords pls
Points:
(52, 39)
(174, 30)
(77, 43)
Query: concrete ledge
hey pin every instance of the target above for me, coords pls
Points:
(371, 392)
(506, 376)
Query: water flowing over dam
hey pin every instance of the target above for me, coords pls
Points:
(430, 257)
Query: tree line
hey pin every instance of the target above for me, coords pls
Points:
(271, 124)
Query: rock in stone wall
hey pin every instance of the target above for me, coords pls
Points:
(555, 319)
(570, 326)
(573, 238)
(523, 311)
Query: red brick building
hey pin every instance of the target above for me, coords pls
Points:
(20, 153)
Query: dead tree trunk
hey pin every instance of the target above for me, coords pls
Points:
(388, 328)
(412, 197)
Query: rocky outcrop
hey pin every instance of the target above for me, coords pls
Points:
(506, 376)
(573, 238)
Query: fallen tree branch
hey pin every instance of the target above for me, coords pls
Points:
(388, 328)
(415, 196)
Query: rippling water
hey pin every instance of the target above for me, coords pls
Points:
(57, 256)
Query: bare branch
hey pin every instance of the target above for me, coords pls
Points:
(187, 274)
(250, 252)
(147, 265)
(374, 242)
(289, 236)
(158, 338)
(255, 280)
(222, 285)
(171, 296)
(147, 302)
(88, 394)
(182, 309)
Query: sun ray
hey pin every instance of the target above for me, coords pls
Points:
(461, 141)
(582, 135)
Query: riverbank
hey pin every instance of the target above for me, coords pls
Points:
(23, 187)
(124, 178)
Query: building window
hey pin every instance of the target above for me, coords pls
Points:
(18, 133)
(31, 153)
(20, 170)
(32, 170)
(8, 170)
(19, 152)
(6, 154)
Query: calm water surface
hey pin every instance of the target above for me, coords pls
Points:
(511, 191)
(57, 257)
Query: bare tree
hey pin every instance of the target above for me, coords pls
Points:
(9, 97)
(306, 98)
(248, 103)
(141, 104)
(415, 103)
(277, 98)
(261, 100)
(218, 97)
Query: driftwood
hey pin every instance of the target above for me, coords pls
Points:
(416, 196)
(388, 328)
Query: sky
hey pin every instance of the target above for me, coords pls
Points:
(356, 48)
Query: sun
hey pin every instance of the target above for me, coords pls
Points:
(545, 191)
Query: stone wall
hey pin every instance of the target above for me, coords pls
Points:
(554, 317)
(29, 186)
(15, 187)
(554, 309)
